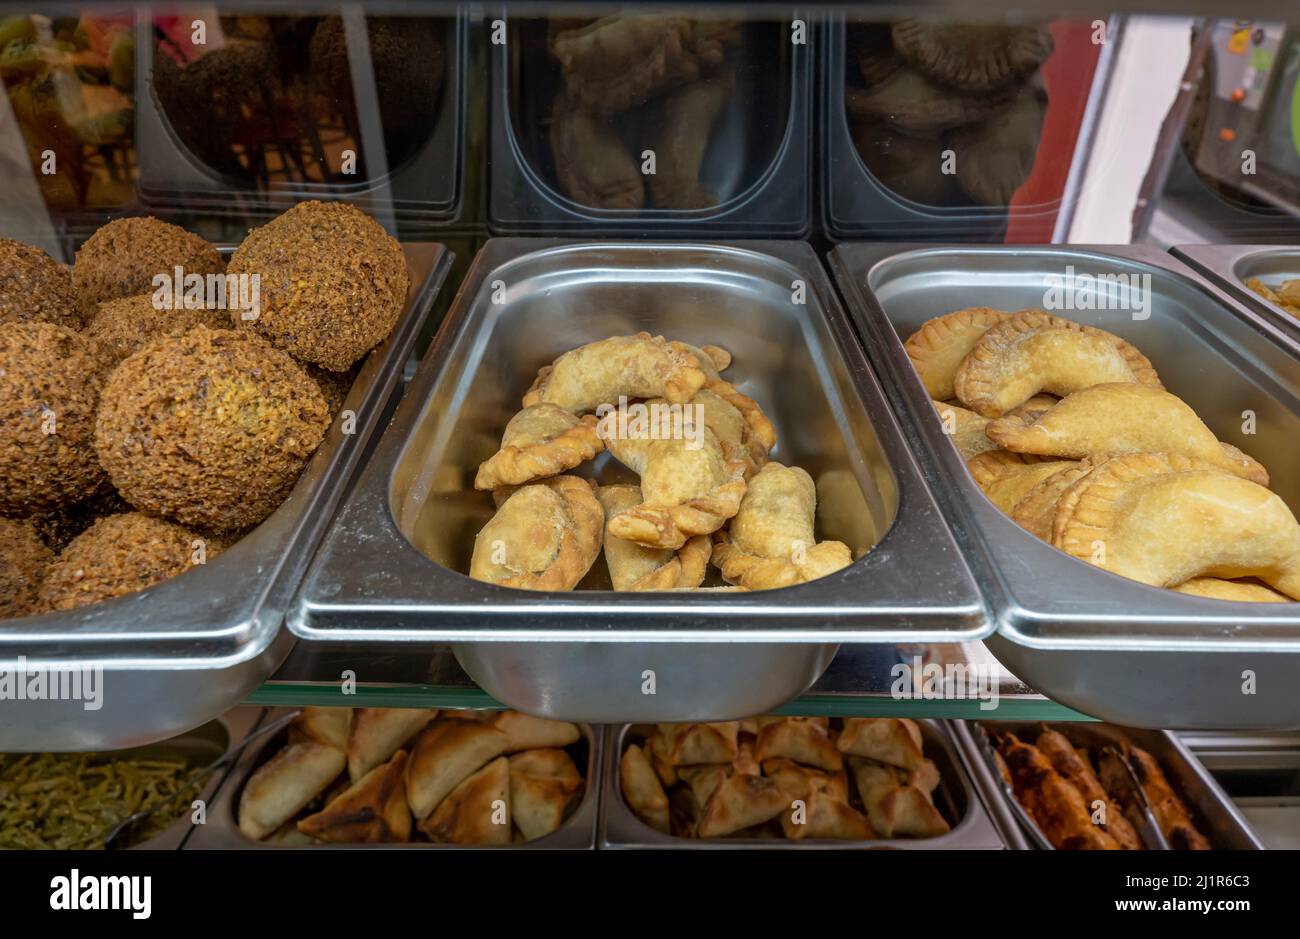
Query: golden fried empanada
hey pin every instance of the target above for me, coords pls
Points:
(330, 726)
(545, 536)
(540, 441)
(798, 739)
(371, 811)
(634, 567)
(689, 487)
(883, 739)
(771, 542)
(642, 789)
(740, 802)
(826, 816)
(1241, 591)
(965, 429)
(592, 164)
(712, 360)
(938, 348)
(544, 786)
(1162, 519)
(676, 128)
(744, 434)
(525, 732)
(477, 811)
(692, 744)
(1036, 511)
(895, 808)
(1108, 420)
(444, 755)
(639, 366)
(377, 733)
(1033, 351)
(1007, 477)
(280, 787)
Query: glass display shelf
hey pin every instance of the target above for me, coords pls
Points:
(863, 681)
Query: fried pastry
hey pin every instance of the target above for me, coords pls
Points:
(371, 811)
(889, 740)
(1287, 296)
(1055, 805)
(938, 348)
(712, 360)
(797, 739)
(283, 785)
(1036, 511)
(701, 782)
(1033, 351)
(972, 56)
(965, 429)
(477, 811)
(826, 817)
(642, 789)
(377, 733)
(1007, 478)
(634, 567)
(1113, 419)
(996, 156)
(677, 128)
(444, 755)
(330, 726)
(544, 786)
(1170, 811)
(1078, 771)
(771, 542)
(1163, 519)
(1240, 591)
(592, 165)
(894, 807)
(538, 442)
(741, 802)
(639, 366)
(739, 422)
(689, 487)
(913, 104)
(798, 781)
(692, 744)
(525, 732)
(544, 536)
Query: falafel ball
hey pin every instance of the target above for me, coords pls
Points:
(49, 390)
(35, 288)
(332, 282)
(127, 324)
(333, 385)
(210, 428)
(23, 562)
(59, 527)
(122, 258)
(117, 555)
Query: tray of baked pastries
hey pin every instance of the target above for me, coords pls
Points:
(1098, 787)
(616, 440)
(416, 777)
(789, 782)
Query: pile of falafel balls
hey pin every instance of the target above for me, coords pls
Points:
(136, 442)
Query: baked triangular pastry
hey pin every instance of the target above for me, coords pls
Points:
(372, 811)
(691, 744)
(544, 785)
(1033, 351)
(1240, 591)
(1112, 419)
(740, 802)
(377, 733)
(545, 536)
(642, 789)
(635, 567)
(883, 739)
(283, 785)
(639, 366)
(797, 781)
(477, 811)
(538, 442)
(938, 348)
(444, 755)
(895, 808)
(826, 816)
(771, 542)
(797, 739)
(331, 726)
(525, 732)
(1162, 519)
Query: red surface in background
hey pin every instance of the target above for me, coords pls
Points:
(1068, 76)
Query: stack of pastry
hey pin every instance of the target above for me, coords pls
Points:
(706, 490)
(1081, 809)
(1068, 429)
(634, 82)
(374, 775)
(1286, 297)
(773, 777)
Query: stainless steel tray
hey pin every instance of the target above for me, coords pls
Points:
(1229, 266)
(1219, 820)
(955, 797)
(1095, 641)
(179, 653)
(389, 570)
(222, 830)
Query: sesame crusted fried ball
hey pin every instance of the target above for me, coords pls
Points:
(122, 258)
(35, 287)
(127, 324)
(332, 282)
(120, 554)
(23, 561)
(49, 390)
(210, 428)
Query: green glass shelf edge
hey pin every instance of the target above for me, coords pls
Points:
(1018, 707)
